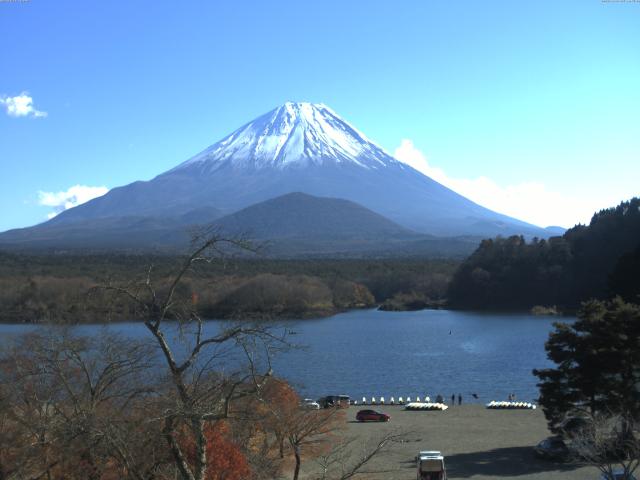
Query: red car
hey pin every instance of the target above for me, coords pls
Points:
(372, 416)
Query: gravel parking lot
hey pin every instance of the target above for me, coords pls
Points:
(477, 443)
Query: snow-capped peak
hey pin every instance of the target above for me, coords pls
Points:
(293, 134)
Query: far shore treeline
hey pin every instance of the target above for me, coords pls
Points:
(57, 288)
(597, 261)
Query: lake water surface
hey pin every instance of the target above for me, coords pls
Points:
(374, 353)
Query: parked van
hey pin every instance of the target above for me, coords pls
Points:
(340, 401)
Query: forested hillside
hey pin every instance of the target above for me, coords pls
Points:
(596, 261)
(55, 288)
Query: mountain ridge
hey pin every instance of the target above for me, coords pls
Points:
(297, 147)
(291, 226)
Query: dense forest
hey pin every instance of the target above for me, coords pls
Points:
(600, 260)
(58, 288)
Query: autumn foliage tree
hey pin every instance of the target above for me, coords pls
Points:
(310, 431)
(278, 403)
(78, 408)
(204, 385)
(191, 401)
(225, 459)
(297, 431)
(74, 408)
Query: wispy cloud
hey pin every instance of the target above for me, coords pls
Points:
(74, 196)
(20, 106)
(529, 201)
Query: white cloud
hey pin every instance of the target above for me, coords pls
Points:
(20, 106)
(74, 196)
(409, 154)
(528, 201)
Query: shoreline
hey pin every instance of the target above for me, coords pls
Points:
(311, 315)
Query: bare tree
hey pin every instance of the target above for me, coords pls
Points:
(293, 426)
(31, 424)
(67, 401)
(311, 430)
(200, 367)
(348, 457)
(610, 443)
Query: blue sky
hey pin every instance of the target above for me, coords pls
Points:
(530, 108)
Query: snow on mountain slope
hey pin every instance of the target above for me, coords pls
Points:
(295, 134)
(297, 147)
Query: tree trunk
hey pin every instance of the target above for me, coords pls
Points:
(176, 451)
(296, 472)
(628, 438)
(281, 446)
(201, 449)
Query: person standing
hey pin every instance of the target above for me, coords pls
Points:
(459, 399)
(453, 399)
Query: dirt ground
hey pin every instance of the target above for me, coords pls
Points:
(477, 443)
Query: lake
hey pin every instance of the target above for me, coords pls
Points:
(373, 353)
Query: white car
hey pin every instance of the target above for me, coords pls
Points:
(431, 466)
(310, 404)
(427, 453)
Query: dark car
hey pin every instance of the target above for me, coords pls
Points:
(552, 448)
(575, 425)
(372, 416)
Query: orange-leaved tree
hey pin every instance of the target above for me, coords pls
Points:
(280, 403)
(225, 460)
(307, 432)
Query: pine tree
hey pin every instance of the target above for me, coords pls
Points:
(597, 363)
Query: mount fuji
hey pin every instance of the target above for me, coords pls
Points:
(297, 147)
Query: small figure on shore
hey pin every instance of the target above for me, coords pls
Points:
(453, 399)
(459, 399)
(439, 399)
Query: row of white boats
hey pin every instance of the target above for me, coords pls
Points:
(392, 401)
(426, 404)
(511, 405)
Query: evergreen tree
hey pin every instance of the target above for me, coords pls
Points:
(624, 280)
(598, 363)
(596, 261)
